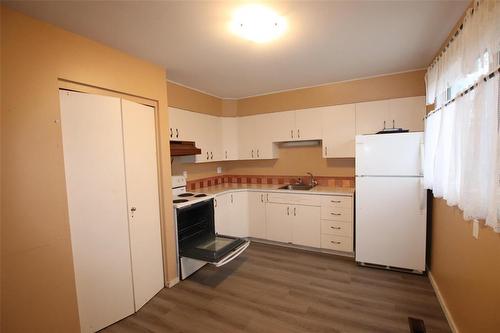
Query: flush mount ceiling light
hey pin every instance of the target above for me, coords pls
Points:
(257, 23)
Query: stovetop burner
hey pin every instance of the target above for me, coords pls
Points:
(187, 194)
(180, 200)
(200, 195)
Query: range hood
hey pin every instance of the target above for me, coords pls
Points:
(183, 148)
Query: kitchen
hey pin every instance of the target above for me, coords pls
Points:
(299, 253)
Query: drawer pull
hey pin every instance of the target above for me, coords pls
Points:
(334, 242)
(335, 201)
(336, 214)
(337, 228)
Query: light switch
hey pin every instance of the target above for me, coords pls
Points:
(219, 169)
(475, 229)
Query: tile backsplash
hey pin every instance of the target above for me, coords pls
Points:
(268, 179)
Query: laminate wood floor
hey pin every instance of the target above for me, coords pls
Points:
(277, 289)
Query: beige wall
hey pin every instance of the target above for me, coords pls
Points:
(466, 270)
(38, 289)
(193, 100)
(293, 161)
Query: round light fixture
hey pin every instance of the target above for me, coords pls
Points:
(257, 23)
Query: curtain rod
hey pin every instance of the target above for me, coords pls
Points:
(457, 32)
(485, 78)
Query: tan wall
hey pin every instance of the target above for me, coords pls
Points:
(192, 100)
(38, 289)
(466, 270)
(296, 160)
(370, 89)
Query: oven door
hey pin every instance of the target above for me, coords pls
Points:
(217, 251)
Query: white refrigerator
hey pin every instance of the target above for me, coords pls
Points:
(390, 201)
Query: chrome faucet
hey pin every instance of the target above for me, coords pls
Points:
(313, 181)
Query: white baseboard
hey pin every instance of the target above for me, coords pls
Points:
(172, 282)
(442, 302)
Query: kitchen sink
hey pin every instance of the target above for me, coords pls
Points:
(296, 187)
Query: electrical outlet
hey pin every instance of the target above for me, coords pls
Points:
(475, 229)
(219, 170)
(185, 174)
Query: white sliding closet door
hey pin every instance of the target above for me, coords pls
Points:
(142, 192)
(97, 204)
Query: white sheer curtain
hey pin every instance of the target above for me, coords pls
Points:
(461, 162)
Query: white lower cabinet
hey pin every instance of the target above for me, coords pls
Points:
(231, 214)
(257, 214)
(279, 223)
(306, 228)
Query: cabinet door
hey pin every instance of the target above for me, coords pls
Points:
(408, 113)
(308, 124)
(246, 137)
(339, 130)
(257, 214)
(371, 117)
(182, 124)
(278, 222)
(203, 137)
(229, 138)
(281, 126)
(143, 202)
(222, 214)
(97, 208)
(214, 135)
(306, 226)
(262, 137)
(238, 216)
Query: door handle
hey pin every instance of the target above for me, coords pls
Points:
(231, 198)
(207, 156)
(133, 209)
(384, 124)
(252, 153)
(287, 210)
(393, 124)
(336, 214)
(326, 151)
(176, 132)
(211, 155)
(215, 202)
(257, 153)
(262, 198)
(336, 228)
(171, 133)
(335, 201)
(294, 211)
(291, 133)
(298, 133)
(267, 196)
(226, 154)
(333, 242)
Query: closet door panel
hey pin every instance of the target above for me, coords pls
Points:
(96, 194)
(143, 200)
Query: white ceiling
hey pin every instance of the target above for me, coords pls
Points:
(326, 41)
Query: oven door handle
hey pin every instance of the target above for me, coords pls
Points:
(233, 255)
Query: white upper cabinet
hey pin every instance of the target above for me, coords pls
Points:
(246, 137)
(407, 113)
(229, 144)
(183, 126)
(307, 124)
(208, 138)
(282, 124)
(255, 138)
(339, 130)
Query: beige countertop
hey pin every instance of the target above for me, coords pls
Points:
(324, 190)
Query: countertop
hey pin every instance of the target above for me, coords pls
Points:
(324, 190)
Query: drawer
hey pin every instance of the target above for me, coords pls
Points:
(337, 243)
(336, 228)
(336, 213)
(336, 201)
(297, 199)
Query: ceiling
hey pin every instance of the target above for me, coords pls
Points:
(326, 41)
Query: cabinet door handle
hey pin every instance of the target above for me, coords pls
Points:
(231, 198)
(291, 133)
(287, 210)
(336, 228)
(298, 133)
(211, 155)
(333, 242)
(294, 211)
(384, 124)
(176, 132)
(262, 198)
(267, 196)
(208, 157)
(171, 133)
(335, 201)
(252, 153)
(226, 154)
(258, 153)
(336, 214)
(215, 202)
(326, 151)
(393, 124)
